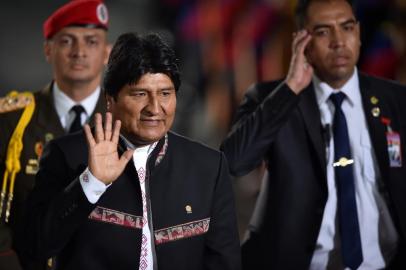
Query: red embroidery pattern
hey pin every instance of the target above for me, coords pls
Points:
(182, 231)
(115, 217)
(141, 175)
(144, 243)
(85, 177)
(144, 253)
(162, 152)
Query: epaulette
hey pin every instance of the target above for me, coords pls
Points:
(15, 101)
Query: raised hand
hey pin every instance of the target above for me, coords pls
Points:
(104, 161)
(300, 71)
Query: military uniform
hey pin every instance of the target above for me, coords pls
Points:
(43, 126)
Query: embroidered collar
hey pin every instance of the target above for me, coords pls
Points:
(124, 143)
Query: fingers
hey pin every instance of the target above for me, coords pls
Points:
(125, 157)
(89, 136)
(99, 134)
(116, 132)
(107, 127)
(300, 41)
(300, 72)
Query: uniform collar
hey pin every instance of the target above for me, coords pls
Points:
(63, 103)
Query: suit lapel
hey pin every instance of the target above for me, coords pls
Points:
(100, 107)
(311, 116)
(47, 116)
(377, 129)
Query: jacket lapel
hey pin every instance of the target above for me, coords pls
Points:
(377, 129)
(100, 108)
(47, 116)
(311, 116)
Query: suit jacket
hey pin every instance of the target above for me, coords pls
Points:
(44, 126)
(284, 129)
(191, 210)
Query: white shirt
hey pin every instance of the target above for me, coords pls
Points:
(369, 201)
(63, 104)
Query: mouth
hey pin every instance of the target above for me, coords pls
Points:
(340, 60)
(78, 66)
(151, 122)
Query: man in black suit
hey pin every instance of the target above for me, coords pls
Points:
(333, 141)
(143, 197)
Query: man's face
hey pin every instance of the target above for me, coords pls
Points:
(334, 49)
(146, 109)
(77, 55)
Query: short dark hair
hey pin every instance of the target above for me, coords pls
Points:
(134, 55)
(302, 7)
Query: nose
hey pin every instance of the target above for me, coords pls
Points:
(78, 49)
(337, 39)
(153, 106)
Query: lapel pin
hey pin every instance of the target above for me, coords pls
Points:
(376, 111)
(38, 148)
(374, 100)
(48, 137)
(188, 209)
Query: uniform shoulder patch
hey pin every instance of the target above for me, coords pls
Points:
(14, 101)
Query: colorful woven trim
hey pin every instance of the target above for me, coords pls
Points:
(115, 217)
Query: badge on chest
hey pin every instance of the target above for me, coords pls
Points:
(393, 144)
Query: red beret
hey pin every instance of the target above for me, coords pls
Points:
(77, 12)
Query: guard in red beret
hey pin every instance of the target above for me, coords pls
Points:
(77, 49)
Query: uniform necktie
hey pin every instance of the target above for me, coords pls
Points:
(77, 122)
(346, 202)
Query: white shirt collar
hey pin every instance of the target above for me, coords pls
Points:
(63, 103)
(142, 149)
(350, 89)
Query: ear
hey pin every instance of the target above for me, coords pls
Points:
(359, 33)
(47, 50)
(107, 53)
(109, 103)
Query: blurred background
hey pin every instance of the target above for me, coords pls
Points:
(224, 46)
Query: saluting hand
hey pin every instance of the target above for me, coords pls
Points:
(104, 161)
(300, 71)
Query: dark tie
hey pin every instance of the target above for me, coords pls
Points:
(346, 203)
(77, 122)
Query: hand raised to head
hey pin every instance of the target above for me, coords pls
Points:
(104, 162)
(300, 71)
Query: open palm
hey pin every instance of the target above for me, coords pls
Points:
(104, 161)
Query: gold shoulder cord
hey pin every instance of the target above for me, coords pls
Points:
(15, 146)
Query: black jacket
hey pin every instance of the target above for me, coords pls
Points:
(284, 129)
(191, 202)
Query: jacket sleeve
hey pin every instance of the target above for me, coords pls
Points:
(262, 113)
(222, 248)
(57, 207)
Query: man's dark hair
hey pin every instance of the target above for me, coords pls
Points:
(133, 56)
(303, 6)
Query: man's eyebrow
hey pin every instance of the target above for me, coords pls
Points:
(325, 25)
(349, 21)
(318, 26)
(135, 89)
